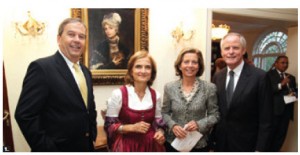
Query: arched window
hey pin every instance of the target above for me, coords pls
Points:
(268, 48)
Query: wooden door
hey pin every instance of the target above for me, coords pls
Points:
(8, 144)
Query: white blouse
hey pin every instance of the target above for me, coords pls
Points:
(114, 103)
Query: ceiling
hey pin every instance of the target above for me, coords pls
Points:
(241, 20)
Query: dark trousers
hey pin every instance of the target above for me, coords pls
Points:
(169, 148)
(280, 127)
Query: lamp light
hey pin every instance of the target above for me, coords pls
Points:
(181, 32)
(220, 31)
(30, 27)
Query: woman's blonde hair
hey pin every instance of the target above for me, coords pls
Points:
(180, 57)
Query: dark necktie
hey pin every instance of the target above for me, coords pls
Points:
(281, 76)
(230, 87)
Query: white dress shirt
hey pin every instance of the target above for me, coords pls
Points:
(279, 84)
(237, 72)
(70, 65)
(114, 103)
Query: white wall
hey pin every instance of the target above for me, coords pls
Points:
(165, 49)
(291, 141)
(19, 50)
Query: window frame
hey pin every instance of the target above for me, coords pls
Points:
(261, 50)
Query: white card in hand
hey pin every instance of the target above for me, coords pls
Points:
(289, 99)
(186, 144)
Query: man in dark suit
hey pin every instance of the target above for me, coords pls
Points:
(282, 84)
(54, 113)
(246, 112)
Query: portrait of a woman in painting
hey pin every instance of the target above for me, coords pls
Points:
(110, 53)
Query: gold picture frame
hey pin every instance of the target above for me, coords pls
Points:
(137, 22)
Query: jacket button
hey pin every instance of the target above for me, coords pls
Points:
(87, 134)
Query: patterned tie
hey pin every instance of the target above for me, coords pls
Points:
(230, 87)
(81, 83)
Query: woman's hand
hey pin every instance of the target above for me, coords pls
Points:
(191, 126)
(178, 131)
(159, 137)
(141, 127)
(117, 61)
(117, 58)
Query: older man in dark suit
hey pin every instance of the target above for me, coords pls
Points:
(56, 109)
(244, 100)
(283, 84)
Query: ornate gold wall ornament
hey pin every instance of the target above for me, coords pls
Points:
(30, 27)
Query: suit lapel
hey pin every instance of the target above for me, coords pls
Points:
(65, 71)
(276, 75)
(178, 85)
(222, 89)
(241, 84)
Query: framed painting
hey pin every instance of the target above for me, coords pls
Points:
(113, 36)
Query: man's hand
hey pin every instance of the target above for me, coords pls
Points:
(285, 81)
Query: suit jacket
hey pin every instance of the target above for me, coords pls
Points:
(279, 104)
(51, 112)
(246, 124)
(202, 108)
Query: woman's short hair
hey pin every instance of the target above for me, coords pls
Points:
(180, 57)
(242, 39)
(112, 19)
(139, 55)
(68, 21)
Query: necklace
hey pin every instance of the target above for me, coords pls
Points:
(187, 89)
(189, 92)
